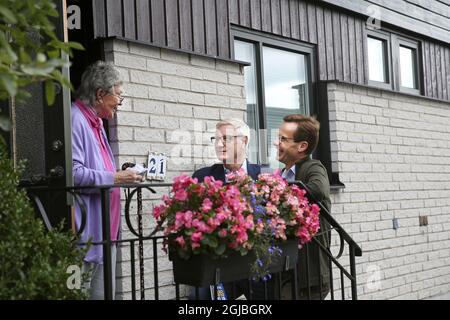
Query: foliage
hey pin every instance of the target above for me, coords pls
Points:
(30, 51)
(33, 261)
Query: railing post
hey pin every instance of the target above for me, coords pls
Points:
(133, 271)
(141, 243)
(353, 272)
(308, 282)
(155, 268)
(106, 225)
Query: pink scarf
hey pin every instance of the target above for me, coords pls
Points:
(96, 125)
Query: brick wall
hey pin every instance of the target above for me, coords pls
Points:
(173, 102)
(392, 152)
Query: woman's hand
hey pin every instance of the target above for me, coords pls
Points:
(127, 176)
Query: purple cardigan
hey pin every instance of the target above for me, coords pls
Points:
(88, 169)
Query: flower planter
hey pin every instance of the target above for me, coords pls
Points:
(200, 270)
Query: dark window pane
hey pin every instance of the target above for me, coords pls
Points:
(377, 59)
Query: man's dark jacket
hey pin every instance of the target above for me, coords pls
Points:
(314, 175)
(218, 172)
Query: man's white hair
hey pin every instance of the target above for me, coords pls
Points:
(241, 127)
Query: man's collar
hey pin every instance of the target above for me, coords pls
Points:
(243, 166)
(285, 172)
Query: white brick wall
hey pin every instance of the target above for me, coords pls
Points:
(392, 152)
(173, 101)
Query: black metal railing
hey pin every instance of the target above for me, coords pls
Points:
(354, 250)
(271, 289)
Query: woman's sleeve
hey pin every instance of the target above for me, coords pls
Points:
(84, 176)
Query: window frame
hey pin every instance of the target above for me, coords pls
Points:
(399, 41)
(386, 38)
(393, 42)
(267, 40)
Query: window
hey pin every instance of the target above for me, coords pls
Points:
(393, 62)
(277, 83)
(408, 62)
(378, 45)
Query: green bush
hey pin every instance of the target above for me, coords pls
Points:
(33, 261)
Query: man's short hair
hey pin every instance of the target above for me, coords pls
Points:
(238, 124)
(307, 130)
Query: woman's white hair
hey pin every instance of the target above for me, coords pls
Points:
(238, 124)
(99, 75)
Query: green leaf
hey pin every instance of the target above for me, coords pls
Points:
(54, 54)
(220, 249)
(206, 241)
(58, 76)
(33, 70)
(24, 57)
(8, 56)
(75, 45)
(50, 92)
(5, 124)
(8, 15)
(8, 83)
(210, 241)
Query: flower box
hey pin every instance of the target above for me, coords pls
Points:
(200, 270)
(208, 225)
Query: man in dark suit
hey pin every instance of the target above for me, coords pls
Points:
(298, 138)
(231, 142)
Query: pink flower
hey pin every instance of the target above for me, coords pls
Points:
(181, 195)
(195, 245)
(179, 220)
(249, 223)
(315, 209)
(166, 199)
(196, 237)
(158, 211)
(292, 200)
(259, 227)
(277, 172)
(304, 235)
(201, 226)
(180, 241)
(242, 236)
(213, 223)
(188, 219)
(223, 233)
(182, 182)
(207, 205)
(220, 217)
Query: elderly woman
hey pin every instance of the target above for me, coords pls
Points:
(99, 96)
